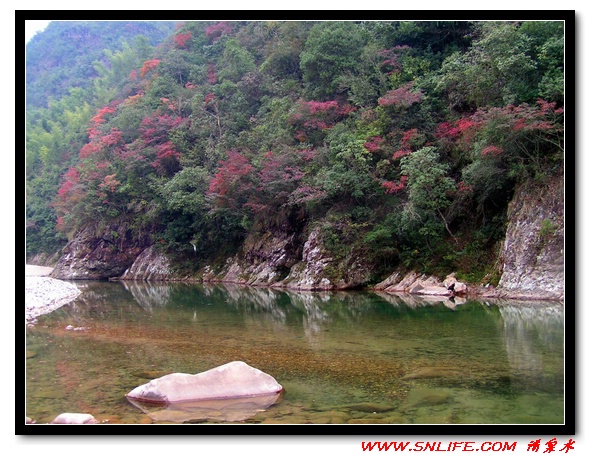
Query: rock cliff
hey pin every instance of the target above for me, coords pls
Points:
(94, 256)
(271, 259)
(150, 265)
(533, 254)
(531, 263)
(281, 261)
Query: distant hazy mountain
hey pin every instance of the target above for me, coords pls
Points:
(61, 56)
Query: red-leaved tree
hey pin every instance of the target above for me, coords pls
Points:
(523, 133)
(148, 66)
(310, 117)
(234, 180)
(181, 40)
(214, 32)
(278, 177)
(402, 97)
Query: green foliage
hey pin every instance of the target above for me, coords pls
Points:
(272, 128)
(548, 45)
(382, 245)
(402, 140)
(489, 180)
(331, 50)
(237, 61)
(508, 63)
(348, 174)
(367, 81)
(429, 193)
(548, 229)
(185, 192)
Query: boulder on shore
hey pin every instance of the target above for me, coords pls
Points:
(413, 283)
(232, 380)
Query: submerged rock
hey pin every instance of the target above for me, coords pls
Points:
(226, 410)
(427, 397)
(432, 372)
(149, 374)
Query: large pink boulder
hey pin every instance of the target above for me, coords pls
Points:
(232, 380)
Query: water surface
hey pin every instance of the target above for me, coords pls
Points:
(348, 357)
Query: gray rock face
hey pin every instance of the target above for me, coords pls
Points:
(232, 380)
(309, 273)
(90, 256)
(263, 261)
(533, 252)
(150, 265)
(277, 261)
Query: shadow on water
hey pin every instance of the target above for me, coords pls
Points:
(342, 357)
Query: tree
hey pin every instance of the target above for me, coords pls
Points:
(236, 61)
(313, 119)
(508, 63)
(429, 192)
(347, 176)
(235, 128)
(279, 176)
(332, 49)
(181, 40)
(233, 181)
(149, 66)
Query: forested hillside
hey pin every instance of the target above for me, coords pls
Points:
(72, 54)
(402, 142)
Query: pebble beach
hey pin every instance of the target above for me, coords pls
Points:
(44, 294)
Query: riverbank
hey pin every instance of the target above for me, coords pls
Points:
(44, 294)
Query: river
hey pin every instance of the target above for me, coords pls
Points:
(342, 357)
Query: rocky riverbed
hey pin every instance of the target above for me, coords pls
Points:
(44, 294)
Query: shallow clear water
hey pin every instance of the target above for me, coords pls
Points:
(349, 357)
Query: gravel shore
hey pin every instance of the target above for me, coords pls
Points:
(44, 294)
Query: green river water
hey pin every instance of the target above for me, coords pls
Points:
(342, 358)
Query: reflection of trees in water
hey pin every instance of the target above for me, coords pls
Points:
(255, 301)
(98, 300)
(314, 309)
(530, 330)
(312, 306)
(149, 295)
(279, 307)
